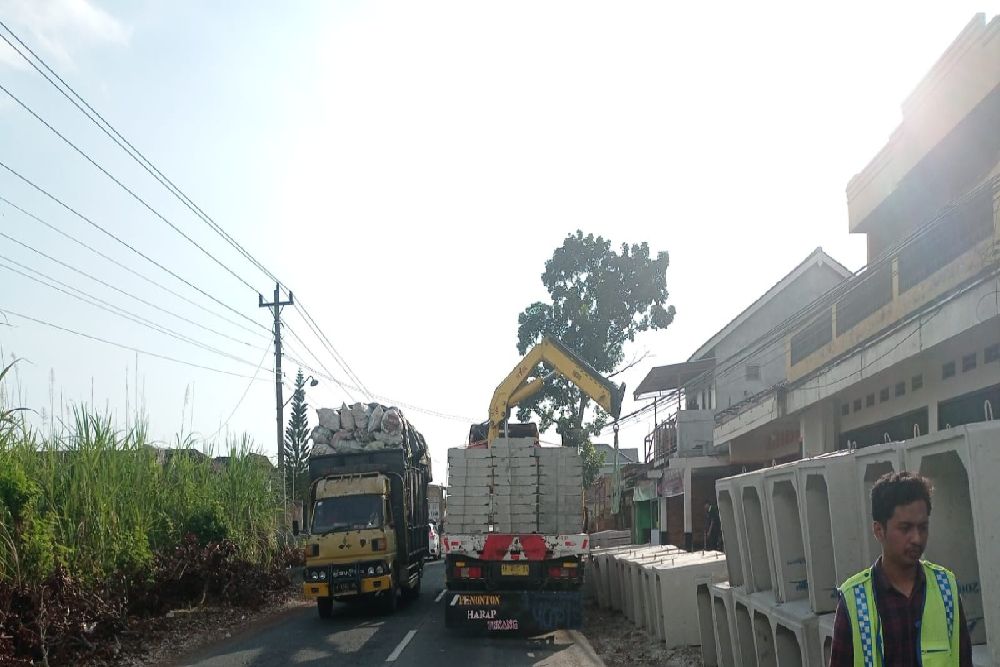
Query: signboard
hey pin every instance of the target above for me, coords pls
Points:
(513, 612)
(672, 483)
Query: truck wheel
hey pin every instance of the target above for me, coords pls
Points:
(325, 607)
(389, 601)
(414, 593)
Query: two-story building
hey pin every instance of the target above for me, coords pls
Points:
(725, 372)
(911, 344)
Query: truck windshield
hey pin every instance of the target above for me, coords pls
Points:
(347, 513)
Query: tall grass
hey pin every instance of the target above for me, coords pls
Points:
(101, 500)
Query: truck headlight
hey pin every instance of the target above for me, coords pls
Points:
(314, 575)
(322, 575)
(371, 571)
(379, 570)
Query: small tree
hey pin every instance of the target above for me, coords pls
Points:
(297, 441)
(593, 461)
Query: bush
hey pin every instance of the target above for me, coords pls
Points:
(18, 494)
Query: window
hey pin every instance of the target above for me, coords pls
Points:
(845, 409)
(753, 372)
(900, 388)
(857, 404)
(869, 400)
(968, 362)
(948, 370)
(883, 395)
(917, 382)
(992, 353)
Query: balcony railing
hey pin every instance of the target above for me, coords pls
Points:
(958, 246)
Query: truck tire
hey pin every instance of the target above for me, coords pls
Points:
(390, 600)
(324, 606)
(414, 592)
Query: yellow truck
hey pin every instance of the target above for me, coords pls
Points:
(368, 534)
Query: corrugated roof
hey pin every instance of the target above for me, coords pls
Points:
(666, 378)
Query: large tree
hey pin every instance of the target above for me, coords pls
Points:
(600, 299)
(296, 442)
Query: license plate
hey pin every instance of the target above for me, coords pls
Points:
(510, 570)
(345, 588)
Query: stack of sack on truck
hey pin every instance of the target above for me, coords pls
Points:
(366, 427)
(515, 487)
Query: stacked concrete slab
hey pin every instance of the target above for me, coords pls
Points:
(515, 487)
(795, 532)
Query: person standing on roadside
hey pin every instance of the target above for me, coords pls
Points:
(902, 611)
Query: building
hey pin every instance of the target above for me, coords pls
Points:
(911, 344)
(727, 371)
(626, 456)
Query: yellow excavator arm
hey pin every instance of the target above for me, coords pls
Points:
(518, 385)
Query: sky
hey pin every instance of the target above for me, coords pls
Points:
(407, 168)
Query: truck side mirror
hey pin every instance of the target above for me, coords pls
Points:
(295, 527)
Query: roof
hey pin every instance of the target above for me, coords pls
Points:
(817, 257)
(665, 378)
(628, 454)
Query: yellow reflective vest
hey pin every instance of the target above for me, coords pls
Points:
(939, 631)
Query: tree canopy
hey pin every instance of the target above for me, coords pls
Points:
(600, 299)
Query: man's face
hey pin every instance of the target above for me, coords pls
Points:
(904, 537)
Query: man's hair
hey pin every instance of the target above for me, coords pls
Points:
(898, 488)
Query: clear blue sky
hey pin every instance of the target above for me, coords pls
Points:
(408, 167)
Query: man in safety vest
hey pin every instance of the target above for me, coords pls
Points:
(902, 611)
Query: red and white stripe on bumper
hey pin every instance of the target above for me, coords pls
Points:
(497, 546)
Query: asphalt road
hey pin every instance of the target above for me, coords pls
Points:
(414, 635)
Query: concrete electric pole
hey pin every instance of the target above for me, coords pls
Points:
(275, 306)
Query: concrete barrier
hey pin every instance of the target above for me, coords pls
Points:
(758, 531)
(787, 544)
(724, 618)
(824, 636)
(652, 616)
(606, 539)
(829, 508)
(796, 634)
(944, 458)
(870, 464)
(733, 531)
(744, 635)
(677, 606)
(706, 625)
(600, 571)
(984, 473)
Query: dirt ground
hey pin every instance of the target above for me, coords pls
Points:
(621, 644)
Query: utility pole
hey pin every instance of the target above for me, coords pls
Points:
(275, 306)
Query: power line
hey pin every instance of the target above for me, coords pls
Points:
(325, 341)
(120, 345)
(125, 267)
(130, 247)
(125, 188)
(113, 287)
(111, 308)
(131, 150)
(329, 375)
(112, 133)
(245, 392)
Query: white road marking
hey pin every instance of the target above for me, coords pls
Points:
(399, 649)
(440, 595)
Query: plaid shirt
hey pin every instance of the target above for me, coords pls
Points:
(900, 616)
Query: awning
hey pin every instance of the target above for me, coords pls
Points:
(667, 378)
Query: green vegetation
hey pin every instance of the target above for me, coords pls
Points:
(98, 500)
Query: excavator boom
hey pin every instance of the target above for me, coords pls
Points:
(519, 386)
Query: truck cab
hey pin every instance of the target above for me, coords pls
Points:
(367, 535)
